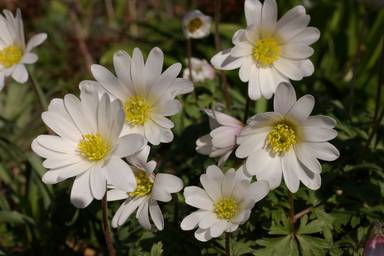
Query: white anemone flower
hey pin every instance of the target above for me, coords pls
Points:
(150, 188)
(147, 94)
(270, 51)
(225, 202)
(287, 142)
(14, 54)
(88, 146)
(201, 70)
(196, 25)
(221, 141)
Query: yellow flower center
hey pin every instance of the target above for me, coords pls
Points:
(281, 138)
(194, 24)
(10, 55)
(143, 185)
(226, 208)
(93, 147)
(136, 110)
(266, 51)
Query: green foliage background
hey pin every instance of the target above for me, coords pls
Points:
(38, 219)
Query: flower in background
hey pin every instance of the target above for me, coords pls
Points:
(14, 54)
(201, 70)
(288, 141)
(147, 94)
(87, 146)
(196, 25)
(375, 244)
(224, 203)
(150, 188)
(221, 141)
(268, 51)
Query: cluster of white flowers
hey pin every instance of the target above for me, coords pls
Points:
(114, 119)
(101, 140)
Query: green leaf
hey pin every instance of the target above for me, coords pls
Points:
(157, 249)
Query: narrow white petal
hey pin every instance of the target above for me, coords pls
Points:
(156, 215)
(290, 166)
(252, 9)
(81, 195)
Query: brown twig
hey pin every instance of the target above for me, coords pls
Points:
(223, 78)
(81, 37)
(291, 212)
(106, 230)
(227, 244)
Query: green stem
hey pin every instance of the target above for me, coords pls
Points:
(38, 92)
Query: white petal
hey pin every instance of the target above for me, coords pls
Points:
(293, 27)
(285, 98)
(129, 208)
(259, 190)
(35, 41)
(254, 91)
(153, 66)
(273, 174)
(224, 61)
(73, 106)
(316, 134)
(81, 195)
(291, 14)
(20, 74)
(290, 166)
(267, 82)
(258, 161)
(190, 221)
(98, 182)
(198, 198)
(302, 108)
(228, 183)
(169, 182)
(218, 228)
(322, 150)
(307, 159)
(212, 187)
(73, 170)
(242, 49)
(156, 215)
(288, 68)
(129, 145)
(269, 14)
(137, 71)
(109, 82)
(122, 65)
(143, 215)
(120, 175)
(116, 194)
(29, 58)
(207, 220)
(308, 36)
(252, 9)
(214, 173)
(308, 178)
(152, 132)
(250, 144)
(202, 235)
(245, 69)
(169, 108)
(296, 51)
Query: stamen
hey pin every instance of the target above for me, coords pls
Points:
(143, 185)
(194, 24)
(226, 208)
(282, 137)
(136, 110)
(10, 55)
(93, 147)
(266, 51)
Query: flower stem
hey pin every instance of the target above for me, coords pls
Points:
(223, 78)
(189, 53)
(38, 93)
(227, 244)
(291, 212)
(107, 232)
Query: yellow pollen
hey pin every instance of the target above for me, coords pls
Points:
(143, 185)
(266, 51)
(10, 55)
(136, 110)
(93, 147)
(226, 208)
(281, 138)
(194, 24)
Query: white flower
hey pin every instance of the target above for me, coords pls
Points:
(196, 24)
(147, 95)
(150, 188)
(269, 51)
(201, 70)
(14, 54)
(224, 203)
(88, 146)
(221, 141)
(288, 141)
